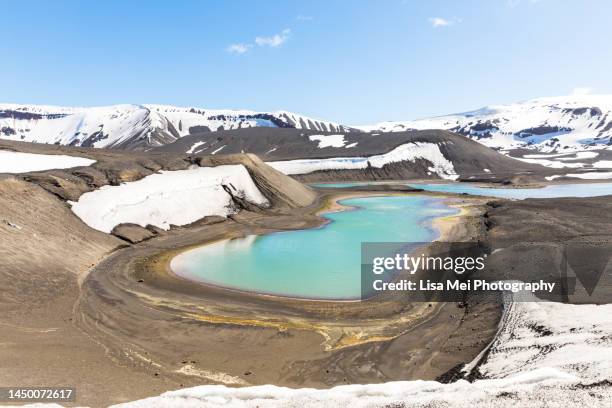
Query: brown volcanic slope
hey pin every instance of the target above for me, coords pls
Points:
(469, 158)
(46, 252)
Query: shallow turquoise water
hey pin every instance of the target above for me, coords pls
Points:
(320, 263)
(551, 191)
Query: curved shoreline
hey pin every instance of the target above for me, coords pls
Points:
(305, 339)
(436, 225)
(330, 206)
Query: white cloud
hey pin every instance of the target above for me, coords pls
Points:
(274, 41)
(514, 3)
(304, 18)
(238, 48)
(442, 22)
(581, 90)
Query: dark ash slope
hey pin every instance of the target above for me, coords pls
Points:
(469, 158)
(531, 239)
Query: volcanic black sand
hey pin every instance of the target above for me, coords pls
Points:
(533, 239)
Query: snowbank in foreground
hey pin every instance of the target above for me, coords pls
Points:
(545, 387)
(406, 152)
(17, 162)
(545, 354)
(575, 339)
(373, 395)
(168, 198)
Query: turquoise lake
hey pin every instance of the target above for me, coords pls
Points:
(319, 263)
(551, 191)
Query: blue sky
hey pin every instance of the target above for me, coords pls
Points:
(354, 62)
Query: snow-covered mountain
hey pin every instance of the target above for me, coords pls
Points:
(557, 124)
(546, 124)
(136, 126)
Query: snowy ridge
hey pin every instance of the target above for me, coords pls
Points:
(136, 126)
(545, 354)
(568, 123)
(169, 198)
(185, 118)
(406, 152)
(543, 124)
(89, 127)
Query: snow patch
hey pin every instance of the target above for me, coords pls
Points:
(564, 156)
(168, 198)
(12, 225)
(17, 162)
(406, 152)
(328, 140)
(603, 164)
(575, 155)
(218, 377)
(585, 176)
(194, 147)
(218, 150)
(553, 164)
(580, 156)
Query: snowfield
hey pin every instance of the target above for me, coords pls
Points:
(573, 339)
(17, 162)
(545, 354)
(406, 152)
(168, 198)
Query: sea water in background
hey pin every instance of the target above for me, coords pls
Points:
(550, 191)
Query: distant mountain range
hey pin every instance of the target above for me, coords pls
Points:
(137, 127)
(556, 124)
(545, 124)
